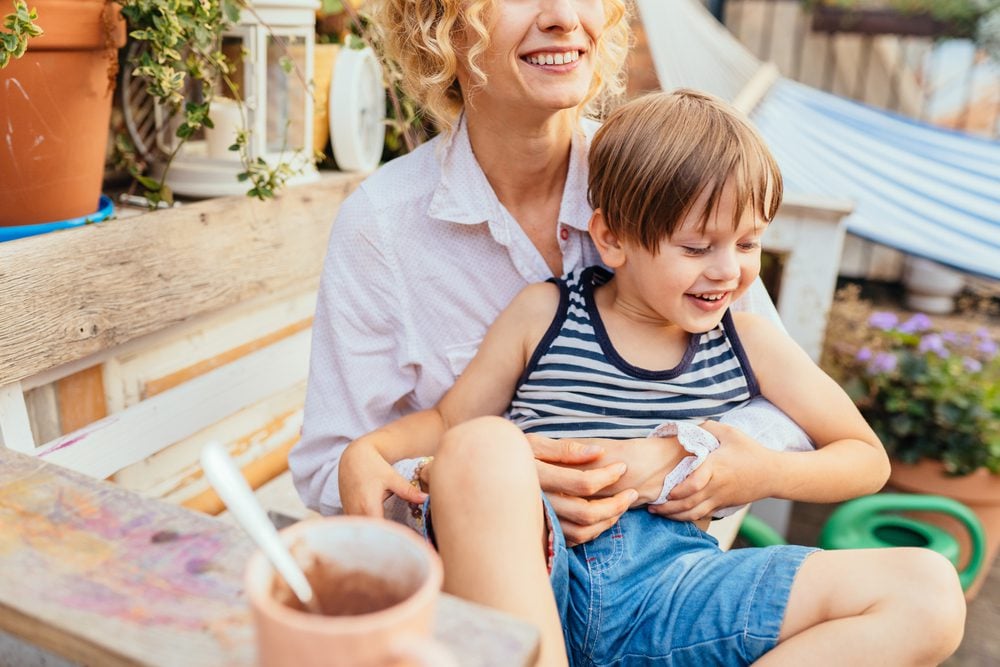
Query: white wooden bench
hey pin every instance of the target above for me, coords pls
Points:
(126, 345)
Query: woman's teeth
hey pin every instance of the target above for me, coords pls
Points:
(561, 58)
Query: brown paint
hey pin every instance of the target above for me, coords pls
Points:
(342, 592)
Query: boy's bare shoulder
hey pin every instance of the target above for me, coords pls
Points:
(537, 299)
(756, 329)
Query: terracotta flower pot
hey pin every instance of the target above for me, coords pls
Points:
(980, 491)
(56, 105)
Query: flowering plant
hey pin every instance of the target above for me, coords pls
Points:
(927, 392)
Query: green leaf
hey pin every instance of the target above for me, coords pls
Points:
(150, 184)
(231, 10)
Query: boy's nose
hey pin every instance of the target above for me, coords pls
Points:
(557, 16)
(725, 266)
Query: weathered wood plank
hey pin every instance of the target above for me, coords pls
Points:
(174, 474)
(103, 576)
(69, 294)
(177, 413)
(100, 575)
(15, 426)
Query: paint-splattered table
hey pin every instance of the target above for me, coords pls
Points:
(102, 576)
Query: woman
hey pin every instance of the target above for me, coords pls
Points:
(433, 246)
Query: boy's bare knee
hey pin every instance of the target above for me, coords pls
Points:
(483, 453)
(935, 601)
(483, 440)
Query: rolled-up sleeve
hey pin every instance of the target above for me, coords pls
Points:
(357, 368)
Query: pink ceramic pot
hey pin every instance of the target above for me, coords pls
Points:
(382, 578)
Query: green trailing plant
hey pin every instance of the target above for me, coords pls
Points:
(19, 27)
(183, 52)
(929, 392)
(963, 17)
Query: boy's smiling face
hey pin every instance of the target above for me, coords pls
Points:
(699, 271)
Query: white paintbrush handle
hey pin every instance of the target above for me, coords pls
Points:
(241, 502)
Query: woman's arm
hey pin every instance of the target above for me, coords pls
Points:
(357, 374)
(849, 460)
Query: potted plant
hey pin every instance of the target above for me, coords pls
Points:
(58, 96)
(57, 73)
(932, 394)
(918, 18)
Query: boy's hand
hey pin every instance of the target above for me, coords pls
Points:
(569, 489)
(736, 473)
(367, 480)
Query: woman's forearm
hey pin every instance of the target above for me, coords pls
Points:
(648, 460)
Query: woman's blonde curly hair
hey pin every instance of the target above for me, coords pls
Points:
(416, 38)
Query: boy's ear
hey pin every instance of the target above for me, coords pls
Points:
(607, 242)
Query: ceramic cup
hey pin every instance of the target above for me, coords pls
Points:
(378, 584)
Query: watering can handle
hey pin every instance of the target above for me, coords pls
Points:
(906, 502)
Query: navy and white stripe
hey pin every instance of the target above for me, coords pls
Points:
(577, 385)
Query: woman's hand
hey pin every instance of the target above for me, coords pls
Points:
(571, 489)
(737, 473)
(367, 480)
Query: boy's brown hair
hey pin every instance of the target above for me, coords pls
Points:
(653, 157)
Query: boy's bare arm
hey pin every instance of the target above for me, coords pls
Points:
(849, 460)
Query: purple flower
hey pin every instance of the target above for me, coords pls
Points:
(934, 343)
(884, 362)
(951, 337)
(988, 347)
(972, 365)
(919, 322)
(864, 354)
(983, 332)
(883, 320)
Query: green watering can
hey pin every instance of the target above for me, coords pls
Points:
(872, 522)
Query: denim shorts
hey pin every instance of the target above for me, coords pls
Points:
(651, 591)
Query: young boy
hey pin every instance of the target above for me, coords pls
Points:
(682, 190)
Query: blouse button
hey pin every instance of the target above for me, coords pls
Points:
(564, 234)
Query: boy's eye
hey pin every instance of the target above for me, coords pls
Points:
(695, 251)
(750, 245)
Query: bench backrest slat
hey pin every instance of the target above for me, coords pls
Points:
(183, 319)
(68, 295)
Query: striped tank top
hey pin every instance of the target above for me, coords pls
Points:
(577, 385)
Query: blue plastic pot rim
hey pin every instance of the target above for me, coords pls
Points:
(105, 208)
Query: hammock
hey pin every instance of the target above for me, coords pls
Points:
(927, 191)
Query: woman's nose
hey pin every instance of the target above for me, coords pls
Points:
(558, 15)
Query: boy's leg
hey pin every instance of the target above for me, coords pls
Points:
(490, 528)
(871, 607)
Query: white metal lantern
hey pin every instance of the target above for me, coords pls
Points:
(278, 106)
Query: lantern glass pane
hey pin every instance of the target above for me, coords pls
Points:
(286, 93)
(234, 52)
